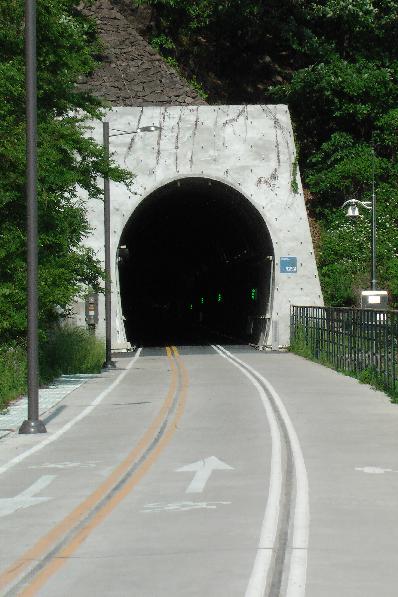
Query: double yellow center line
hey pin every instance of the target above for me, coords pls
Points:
(53, 550)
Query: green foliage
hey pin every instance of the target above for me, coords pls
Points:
(294, 183)
(69, 350)
(343, 103)
(68, 160)
(299, 344)
(198, 88)
(65, 350)
(211, 40)
(336, 65)
(162, 43)
(13, 371)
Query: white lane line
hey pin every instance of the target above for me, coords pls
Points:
(258, 578)
(52, 438)
(299, 549)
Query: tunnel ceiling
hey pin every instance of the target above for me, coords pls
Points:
(189, 241)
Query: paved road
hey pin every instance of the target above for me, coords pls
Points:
(195, 471)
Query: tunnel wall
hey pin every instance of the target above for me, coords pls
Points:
(249, 148)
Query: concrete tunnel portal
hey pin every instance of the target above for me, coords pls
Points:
(195, 266)
(215, 224)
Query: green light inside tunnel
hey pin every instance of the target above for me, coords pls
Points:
(219, 297)
(202, 300)
(253, 294)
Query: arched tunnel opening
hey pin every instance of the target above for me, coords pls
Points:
(195, 267)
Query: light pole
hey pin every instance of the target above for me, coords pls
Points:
(32, 424)
(353, 212)
(109, 364)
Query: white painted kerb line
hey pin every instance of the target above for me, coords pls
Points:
(52, 438)
(258, 578)
(299, 549)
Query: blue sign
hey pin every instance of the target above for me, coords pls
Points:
(288, 265)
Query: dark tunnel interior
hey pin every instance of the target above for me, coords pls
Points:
(195, 267)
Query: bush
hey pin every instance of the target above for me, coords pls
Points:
(70, 350)
(13, 372)
(66, 350)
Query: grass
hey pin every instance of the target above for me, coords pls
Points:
(66, 350)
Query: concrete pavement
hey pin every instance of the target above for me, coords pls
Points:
(13, 416)
(163, 487)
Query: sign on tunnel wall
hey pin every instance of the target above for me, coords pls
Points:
(288, 265)
(249, 152)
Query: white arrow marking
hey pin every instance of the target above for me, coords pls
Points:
(203, 470)
(25, 499)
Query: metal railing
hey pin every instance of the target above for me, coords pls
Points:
(352, 340)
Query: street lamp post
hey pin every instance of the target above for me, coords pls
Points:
(109, 364)
(107, 246)
(374, 279)
(353, 212)
(32, 424)
(374, 298)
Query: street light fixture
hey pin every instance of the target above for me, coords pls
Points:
(142, 129)
(109, 364)
(352, 210)
(32, 424)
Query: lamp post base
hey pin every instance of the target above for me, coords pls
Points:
(109, 365)
(29, 426)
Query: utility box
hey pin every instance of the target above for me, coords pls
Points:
(92, 309)
(374, 299)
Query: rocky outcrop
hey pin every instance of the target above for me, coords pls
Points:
(131, 72)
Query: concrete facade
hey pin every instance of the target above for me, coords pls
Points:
(249, 148)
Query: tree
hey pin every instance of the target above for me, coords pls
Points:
(343, 100)
(335, 63)
(68, 160)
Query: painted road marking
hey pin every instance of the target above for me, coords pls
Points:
(269, 526)
(66, 465)
(51, 438)
(46, 543)
(375, 470)
(26, 498)
(183, 506)
(203, 470)
(88, 515)
(299, 549)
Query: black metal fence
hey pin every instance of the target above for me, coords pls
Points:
(352, 340)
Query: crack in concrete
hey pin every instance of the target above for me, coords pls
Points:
(195, 128)
(132, 140)
(177, 141)
(235, 118)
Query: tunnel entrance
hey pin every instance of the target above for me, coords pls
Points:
(195, 267)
